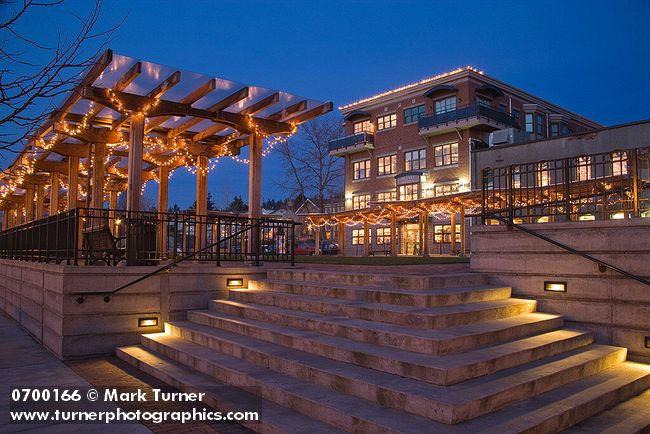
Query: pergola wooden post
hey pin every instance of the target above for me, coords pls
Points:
(393, 233)
(342, 240)
(163, 205)
(97, 196)
(201, 201)
(136, 149)
(425, 232)
(255, 177)
(366, 238)
(453, 232)
(317, 240)
(54, 193)
(40, 201)
(29, 203)
(73, 181)
(463, 235)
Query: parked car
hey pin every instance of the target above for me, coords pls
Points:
(305, 247)
(329, 248)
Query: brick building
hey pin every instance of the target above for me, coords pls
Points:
(414, 142)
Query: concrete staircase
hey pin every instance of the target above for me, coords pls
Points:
(334, 351)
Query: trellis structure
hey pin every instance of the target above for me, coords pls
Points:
(455, 207)
(130, 121)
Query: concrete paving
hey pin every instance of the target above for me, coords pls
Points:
(25, 363)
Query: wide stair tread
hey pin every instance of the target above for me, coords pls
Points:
(443, 403)
(416, 365)
(274, 418)
(429, 341)
(553, 408)
(424, 317)
(385, 294)
(629, 417)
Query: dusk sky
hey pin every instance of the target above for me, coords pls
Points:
(591, 57)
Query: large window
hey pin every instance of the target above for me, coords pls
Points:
(360, 201)
(529, 123)
(385, 196)
(540, 125)
(583, 165)
(387, 121)
(382, 235)
(412, 114)
(387, 165)
(445, 154)
(543, 174)
(408, 192)
(444, 189)
(619, 163)
(360, 127)
(446, 105)
(442, 233)
(357, 236)
(361, 169)
(415, 160)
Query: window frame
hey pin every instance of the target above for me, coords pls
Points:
(453, 188)
(392, 164)
(447, 107)
(413, 190)
(420, 159)
(361, 129)
(392, 193)
(357, 172)
(358, 237)
(357, 201)
(392, 121)
(451, 154)
(383, 238)
(421, 111)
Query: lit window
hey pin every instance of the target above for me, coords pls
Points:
(360, 127)
(361, 169)
(543, 175)
(387, 165)
(360, 201)
(619, 163)
(529, 122)
(442, 233)
(415, 160)
(388, 121)
(408, 192)
(385, 196)
(382, 235)
(412, 114)
(441, 190)
(516, 177)
(445, 154)
(446, 105)
(357, 236)
(583, 171)
(484, 102)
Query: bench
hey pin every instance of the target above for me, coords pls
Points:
(385, 252)
(99, 244)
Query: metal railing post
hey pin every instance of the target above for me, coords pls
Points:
(219, 242)
(635, 182)
(293, 244)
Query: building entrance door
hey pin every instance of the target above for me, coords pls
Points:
(411, 239)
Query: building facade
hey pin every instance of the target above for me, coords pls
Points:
(414, 142)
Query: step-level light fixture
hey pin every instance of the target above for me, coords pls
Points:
(148, 322)
(234, 282)
(555, 286)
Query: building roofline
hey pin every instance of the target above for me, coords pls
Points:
(454, 74)
(574, 135)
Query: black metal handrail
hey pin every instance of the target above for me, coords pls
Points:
(602, 265)
(176, 261)
(353, 139)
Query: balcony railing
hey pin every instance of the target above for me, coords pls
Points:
(466, 113)
(362, 138)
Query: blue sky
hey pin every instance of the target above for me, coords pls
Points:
(592, 57)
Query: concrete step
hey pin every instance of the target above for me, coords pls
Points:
(548, 412)
(444, 370)
(405, 297)
(425, 318)
(403, 281)
(433, 341)
(629, 417)
(448, 404)
(273, 418)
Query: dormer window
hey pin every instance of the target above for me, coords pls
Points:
(363, 127)
(446, 105)
(482, 101)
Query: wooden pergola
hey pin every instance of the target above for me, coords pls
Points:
(129, 121)
(455, 206)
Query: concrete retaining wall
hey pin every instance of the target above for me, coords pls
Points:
(38, 296)
(616, 308)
